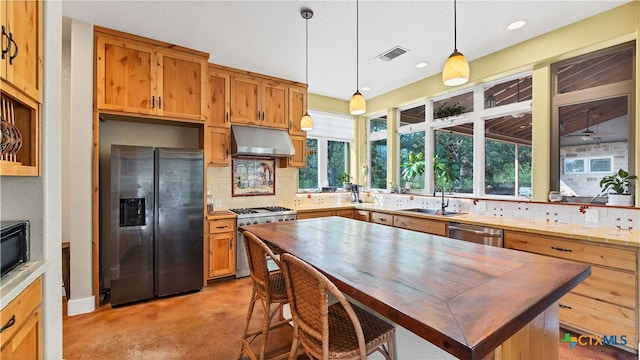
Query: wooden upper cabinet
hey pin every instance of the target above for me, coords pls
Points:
(245, 101)
(22, 64)
(297, 109)
(181, 85)
(139, 77)
(275, 111)
(125, 74)
(21, 83)
(217, 146)
(257, 101)
(298, 160)
(218, 98)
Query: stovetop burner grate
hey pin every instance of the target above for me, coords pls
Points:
(260, 210)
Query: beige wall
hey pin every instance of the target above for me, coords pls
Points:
(604, 30)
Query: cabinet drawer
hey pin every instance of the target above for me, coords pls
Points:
(20, 308)
(612, 286)
(315, 214)
(380, 218)
(596, 317)
(345, 213)
(434, 227)
(362, 215)
(595, 254)
(221, 225)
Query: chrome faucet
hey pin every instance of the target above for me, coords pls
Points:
(442, 203)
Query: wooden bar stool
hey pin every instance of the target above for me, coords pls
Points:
(338, 331)
(268, 288)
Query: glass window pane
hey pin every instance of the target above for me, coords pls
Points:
(378, 164)
(524, 170)
(586, 72)
(412, 143)
(500, 168)
(592, 129)
(601, 165)
(378, 124)
(308, 177)
(414, 115)
(453, 161)
(337, 158)
(453, 106)
(508, 92)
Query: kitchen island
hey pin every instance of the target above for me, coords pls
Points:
(469, 300)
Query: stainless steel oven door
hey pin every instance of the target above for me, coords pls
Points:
(242, 264)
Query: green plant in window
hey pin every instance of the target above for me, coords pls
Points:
(618, 182)
(414, 166)
(445, 170)
(445, 111)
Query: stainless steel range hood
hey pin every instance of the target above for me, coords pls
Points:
(256, 141)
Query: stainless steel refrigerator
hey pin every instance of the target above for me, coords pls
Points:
(157, 219)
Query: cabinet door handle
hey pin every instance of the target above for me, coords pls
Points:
(230, 244)
(565, 306)
(289, 124)
(5, 35)
(9, 323)
(561, 249)
(159, 102)
(226, 155)
(227, 117)
(153, 102)
(222, 226)
(15, 52)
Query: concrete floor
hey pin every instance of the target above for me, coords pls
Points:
(203, 325)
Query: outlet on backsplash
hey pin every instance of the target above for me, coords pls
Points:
(591, 216)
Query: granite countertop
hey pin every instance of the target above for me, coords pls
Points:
(13, 283)
(592, 233)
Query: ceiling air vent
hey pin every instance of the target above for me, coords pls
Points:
(392, 54)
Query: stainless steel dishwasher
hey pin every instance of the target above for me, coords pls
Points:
(476, 233)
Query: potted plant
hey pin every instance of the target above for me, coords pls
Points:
(414, 166)
(618, 187)
(345, 179)
(445, 111)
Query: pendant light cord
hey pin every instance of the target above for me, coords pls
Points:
(307, 51)
(357, 48)
(455, 28)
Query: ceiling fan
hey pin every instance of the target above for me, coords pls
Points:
(588, 134)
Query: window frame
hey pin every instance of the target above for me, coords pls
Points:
(376, 136)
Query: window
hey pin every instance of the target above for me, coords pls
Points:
(411, 133)
(453, 161)
(378, 152)
(593, 124)
(308, 177)
(575, 166)
(327, 151)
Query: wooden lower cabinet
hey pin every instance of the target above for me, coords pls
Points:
(348, 213)
(382, 218)
(222, 248)
(362, 215)
(605, 303)
(434, 227)
(23, 339)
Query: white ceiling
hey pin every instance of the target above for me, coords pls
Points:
(268, 37)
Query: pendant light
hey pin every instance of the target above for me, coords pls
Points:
(306, 123)
(357, 105)
(456, 68)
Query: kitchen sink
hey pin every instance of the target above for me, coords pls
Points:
(433, 211)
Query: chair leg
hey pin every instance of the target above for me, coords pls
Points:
(265, 327)
(294, 343)
(243, 342)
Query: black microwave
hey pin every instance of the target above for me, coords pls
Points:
(14, 248)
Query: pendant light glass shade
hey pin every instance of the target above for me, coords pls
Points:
(357, 105)
(456, 70)
(306, 123)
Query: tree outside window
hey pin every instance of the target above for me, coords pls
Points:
(412, 143)
(337, 161)
(453, 162)
(308, 177)
(378, 164)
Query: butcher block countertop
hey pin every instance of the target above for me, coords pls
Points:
(465, 298)
(221, 214)
(571, 231)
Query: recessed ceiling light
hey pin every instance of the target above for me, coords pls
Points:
(517, 24)
(421, 65)
(366, 88)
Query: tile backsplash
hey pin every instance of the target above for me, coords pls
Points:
(583, 214)
(219, 185)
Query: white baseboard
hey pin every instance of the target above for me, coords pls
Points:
(81, 306)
